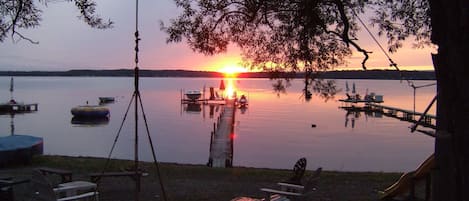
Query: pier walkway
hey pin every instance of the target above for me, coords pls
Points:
(18, 108)
(428, 120)
(221, 139)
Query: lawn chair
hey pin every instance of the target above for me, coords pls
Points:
(298, 172)
(302, 192)
(45, 192)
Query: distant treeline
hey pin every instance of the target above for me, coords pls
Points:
(369, 74)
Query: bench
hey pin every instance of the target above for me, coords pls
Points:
(66, 175)
(96, 176)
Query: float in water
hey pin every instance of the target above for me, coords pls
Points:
(91, 111)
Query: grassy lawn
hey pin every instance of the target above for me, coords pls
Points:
(184, 182)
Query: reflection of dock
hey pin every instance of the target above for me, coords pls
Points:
(221, 140)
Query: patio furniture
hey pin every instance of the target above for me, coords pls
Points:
(72, 190)
(301, 192)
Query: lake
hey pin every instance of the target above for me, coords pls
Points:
(273, 132)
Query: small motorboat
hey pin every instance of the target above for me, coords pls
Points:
(106, 99)
(91, 111)
(243, 101)
(193, 95)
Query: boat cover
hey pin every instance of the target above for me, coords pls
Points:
(15, 142)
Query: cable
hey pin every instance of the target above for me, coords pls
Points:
(393, 64)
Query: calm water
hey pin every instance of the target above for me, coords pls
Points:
(273, 132)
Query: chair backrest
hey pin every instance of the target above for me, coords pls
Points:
(42, 188)
(298, 171)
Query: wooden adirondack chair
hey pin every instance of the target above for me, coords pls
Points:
(298, 172)
(301, 193)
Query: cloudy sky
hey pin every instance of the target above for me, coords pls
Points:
(65, 42)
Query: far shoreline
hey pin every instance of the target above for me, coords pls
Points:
(354, 74)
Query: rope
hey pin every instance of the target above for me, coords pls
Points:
(136, 92)
(138, 101)
(391, 62)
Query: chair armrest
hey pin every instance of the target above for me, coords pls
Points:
(65, 189)
(8, 183)
(299, 187)
(74, 186)
(78, 197)
(268, 190)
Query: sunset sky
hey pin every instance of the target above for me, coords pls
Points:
(68, 43)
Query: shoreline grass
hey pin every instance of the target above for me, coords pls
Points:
(187, 182)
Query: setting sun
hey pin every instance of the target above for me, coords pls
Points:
(231, 70)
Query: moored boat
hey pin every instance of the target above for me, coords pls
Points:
(19, 149)
(90, 111)
(106, 99)
(369, 98)
(193, 95)
(243, 101)
(356, 98)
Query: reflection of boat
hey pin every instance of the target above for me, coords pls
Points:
(193, 95)
(243, 110)
(90, 111)
(193, 107)
(19, 149)
(106, 99)
(99, 120)
(243, 101)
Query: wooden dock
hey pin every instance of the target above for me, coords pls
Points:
(428, 120)
(221, 138)
(18, 108)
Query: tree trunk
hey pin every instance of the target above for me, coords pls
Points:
(450, 31)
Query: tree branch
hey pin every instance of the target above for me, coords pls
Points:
(345, 33)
